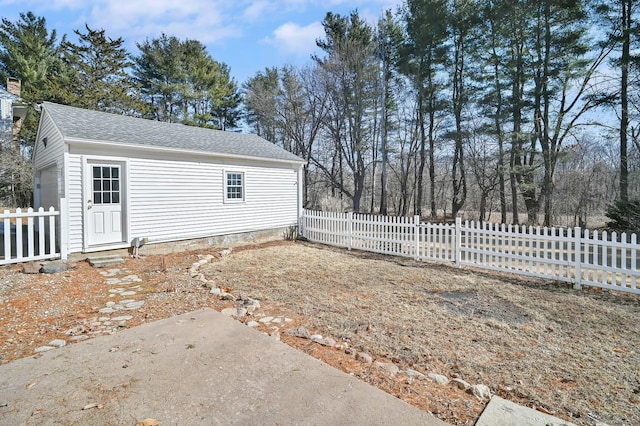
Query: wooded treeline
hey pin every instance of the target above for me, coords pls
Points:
(477, 105)
(516, 108)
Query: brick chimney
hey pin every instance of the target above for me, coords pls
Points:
(14, 86)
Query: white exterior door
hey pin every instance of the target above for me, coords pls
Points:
(104, 207)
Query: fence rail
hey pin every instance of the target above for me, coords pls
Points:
(581, 257)
(28, 235)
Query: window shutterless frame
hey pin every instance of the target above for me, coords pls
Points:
(234, 187)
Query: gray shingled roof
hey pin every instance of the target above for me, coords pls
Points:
(90, 125)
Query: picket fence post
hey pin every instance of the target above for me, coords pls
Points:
(64, 228)
(416, 237)
(350, 224)
(458, 242)
(577, 237)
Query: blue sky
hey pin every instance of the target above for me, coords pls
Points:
(246, 35)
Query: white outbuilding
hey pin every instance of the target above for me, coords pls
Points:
(120, 180)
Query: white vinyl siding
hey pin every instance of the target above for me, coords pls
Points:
(50, 160)
(53, 152)
(75, 203)
(177, 200)
(172, 198)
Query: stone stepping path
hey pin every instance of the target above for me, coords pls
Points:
(123, 305)
(106, 324)
(113, 272)
(124, 291)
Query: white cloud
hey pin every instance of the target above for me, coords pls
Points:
(291, 38)
(208, 21)
(256, 10)
(353, 4)
(202, 20)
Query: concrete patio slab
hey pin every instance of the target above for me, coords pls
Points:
(200, 368)
(506, 413)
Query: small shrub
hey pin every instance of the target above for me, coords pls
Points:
(291, 233)
(624, 216)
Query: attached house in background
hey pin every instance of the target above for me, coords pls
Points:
(12, 111)
(119, 180)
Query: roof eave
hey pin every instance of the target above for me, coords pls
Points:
(70, 140)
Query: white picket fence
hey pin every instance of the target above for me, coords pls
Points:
(28, 235)
(571, 255)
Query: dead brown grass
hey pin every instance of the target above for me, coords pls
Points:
(571, 353)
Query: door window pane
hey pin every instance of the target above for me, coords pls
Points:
(106, 185)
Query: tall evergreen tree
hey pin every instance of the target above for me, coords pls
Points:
(464, 18)
(97, 75)
(563, 68)
(30, 52)
(423, 57)
(350, 62)
(225, 98)
(620, 18)
(182, 83)
(260, 100)
(389, 39)
(159, 71)
(492, 79)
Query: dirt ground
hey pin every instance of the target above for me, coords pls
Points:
(573, 354)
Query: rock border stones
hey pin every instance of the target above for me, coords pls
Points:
(247, 306)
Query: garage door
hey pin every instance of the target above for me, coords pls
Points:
(49, 188)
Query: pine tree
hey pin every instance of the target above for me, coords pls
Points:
(350, 63)
(180, 82)
(423, 56)
(389, 39)
(620, 19)
(96, 74)
(29, 52)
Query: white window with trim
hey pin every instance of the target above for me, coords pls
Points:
(234, 186)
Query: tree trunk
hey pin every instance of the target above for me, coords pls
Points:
(423, 157)
(515, 219)
(458, 176)
(383, 147)
(432, 166)
(624, 101)
(483, 206)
